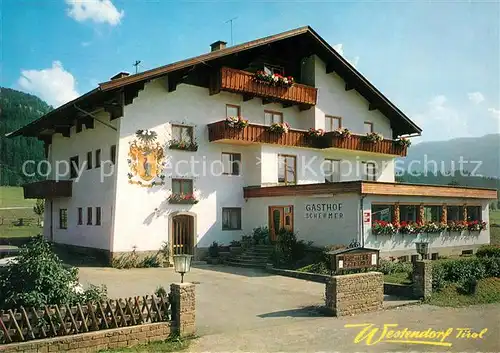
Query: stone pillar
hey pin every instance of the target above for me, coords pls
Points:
(396, 214)
(422, 279)
(444, 214)
(183, 301)
(420, 213)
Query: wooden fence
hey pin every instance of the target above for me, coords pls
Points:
(26, 324)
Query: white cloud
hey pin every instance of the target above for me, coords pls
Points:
(476, 97)
(85, 44)
(339, 48)
(99, 11)
(54, 85)
(495, 112)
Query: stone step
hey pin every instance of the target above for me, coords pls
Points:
(253, 251)
(246, 256)
(245, 264)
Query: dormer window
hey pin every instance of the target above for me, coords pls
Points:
(272, 69)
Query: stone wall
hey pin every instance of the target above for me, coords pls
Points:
(422, 279)
(354, 294)
(183, 323)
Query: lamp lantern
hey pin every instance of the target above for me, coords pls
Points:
(182, 264)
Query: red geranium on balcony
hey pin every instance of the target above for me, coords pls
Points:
(273, 79)
(182, 199)
(383, 227)
(476, 226)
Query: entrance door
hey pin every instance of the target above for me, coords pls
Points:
(182, 235)
(280, 217)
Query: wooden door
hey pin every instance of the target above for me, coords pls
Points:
(280, 217)
(182, 235)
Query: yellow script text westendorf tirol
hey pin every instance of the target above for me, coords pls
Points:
(371, 334)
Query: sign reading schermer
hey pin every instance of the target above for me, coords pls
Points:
(323, 211)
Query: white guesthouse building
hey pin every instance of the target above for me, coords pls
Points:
(141, 148)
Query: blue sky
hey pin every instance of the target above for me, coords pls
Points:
(439, 62)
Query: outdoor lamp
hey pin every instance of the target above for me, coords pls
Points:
(182, 264)
(422, 248)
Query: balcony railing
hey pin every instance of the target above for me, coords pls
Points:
(220, 131)
(238, 81)
(47, 189)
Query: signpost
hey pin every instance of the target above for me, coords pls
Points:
(353, 259)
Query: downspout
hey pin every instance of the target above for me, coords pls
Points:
(362, 221)
(51, 220)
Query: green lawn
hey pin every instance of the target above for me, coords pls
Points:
(495, 217)
(12, 196)
(170, 345)
(397, 278)
(9, 218)
(488, 291)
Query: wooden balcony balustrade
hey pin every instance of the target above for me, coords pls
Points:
(239, 81)
(220, 131)
(47, 189)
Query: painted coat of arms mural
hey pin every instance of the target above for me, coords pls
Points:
(146, 160)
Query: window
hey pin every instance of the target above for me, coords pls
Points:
(332, 123)
(455, 213)
(97, 216)
(80, 216)
(97, 158)
(287, 166)
(112, 154)
(63, 218)
(332, 171)
(231, 218)
(382, 213)
(73, 167)
(370, 171)
(271, 117)
(232, 110)
(432, 213)
(182, 186)
(474, 213)
(89, 160)
(89, 215)
(182, 133)
(272, 69)
(368, 127)
(408, 213)
(231, 163)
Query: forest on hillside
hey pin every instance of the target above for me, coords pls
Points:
(16, 110)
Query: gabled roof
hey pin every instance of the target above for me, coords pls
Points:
(400, 123)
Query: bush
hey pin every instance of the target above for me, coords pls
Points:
(288, 249)
(150, 261)
(491, 266)
(40, 278)
(213, 250)
(260, 236)
(388, 267)
(488, 251)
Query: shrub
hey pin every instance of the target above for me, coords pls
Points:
(388, 267)
(260, 235)
(150, 261)
(288, 249)
(488, 251)
(213, 250)
(491, 266)
(438, 277)
(160, 291)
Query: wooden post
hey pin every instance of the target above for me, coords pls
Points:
(465, 212)
(396, 217)
(444, 213)
(421, 213)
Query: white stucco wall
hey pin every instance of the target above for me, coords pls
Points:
(92, 189)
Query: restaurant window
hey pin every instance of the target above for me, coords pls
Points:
(97, 216)
(382, 212)
(286, 169)
(432, 213)
(408, 213)
(370, 171)
(182, 133)
(368, 127)
(331, 170)
(63, 218)
(455, 213)
(89, 160)
(232, 110)
(474, 213)
(112, 154)
(80, 216)
(231, 218)
(271, 117)
(182, 186)
(333, 123)
(89, 216)
(73, 167)
(98, 158)
(231, 163)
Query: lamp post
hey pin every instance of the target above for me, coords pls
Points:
(422, 248)
(182, 264)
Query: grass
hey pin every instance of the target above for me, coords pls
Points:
(495, 217)
(12, 196)
(397, 278)
(488, 291)
(170, 345)
(495, 235)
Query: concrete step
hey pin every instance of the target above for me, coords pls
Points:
(244, 264)
(252, 258)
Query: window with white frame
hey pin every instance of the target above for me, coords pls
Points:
(287, 166)
(368, 126)
(331, 170)
(271, 117)
(232, 110)
(332, 123)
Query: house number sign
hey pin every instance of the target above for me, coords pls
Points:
(323, 211)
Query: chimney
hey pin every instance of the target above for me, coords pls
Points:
(119, 75)
(218, 45)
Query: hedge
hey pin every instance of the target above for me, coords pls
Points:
(488, 251)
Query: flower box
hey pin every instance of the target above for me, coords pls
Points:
(434, 227)
(457, 226)
(342, 133)
(273, 79)
(410, 228)
(316, 133)
(373, 137)
(183, 145)
(279, 128)
(182, 199)
(403, 142)
(476, 226)
(384, 228)
(236, 122)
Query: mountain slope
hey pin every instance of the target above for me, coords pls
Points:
(18, 109)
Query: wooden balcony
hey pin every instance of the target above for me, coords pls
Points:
(47, 189)
(243, 82)
(355, 142)
(253, 133)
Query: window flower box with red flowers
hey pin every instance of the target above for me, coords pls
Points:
(182, 199)
(279, 128)
(236, 122)
(403, 142)
(273, 79)
(316, 133)
(384, 228)
(434, 227)
(410, 227)
(373, 137)
(476, 226)
(183, 145)
(342, 133)
(457, 226)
